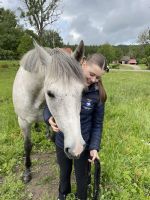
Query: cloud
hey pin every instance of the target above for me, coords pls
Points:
(103, 21)
(100, 21)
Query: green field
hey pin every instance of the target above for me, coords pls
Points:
(125, 156)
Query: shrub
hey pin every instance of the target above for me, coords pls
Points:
(115, 66)
(6, 54)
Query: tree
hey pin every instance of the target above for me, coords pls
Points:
(10, 34)
(144, 40)
(52, 39)
(144, 37)
(108, 51)
(40, 13)
(118, 53)
(25, 45)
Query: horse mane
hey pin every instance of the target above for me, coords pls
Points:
(62, 65)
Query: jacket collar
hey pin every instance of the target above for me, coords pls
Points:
(91, 88)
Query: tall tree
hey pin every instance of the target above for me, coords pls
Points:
(40, 13)
(144, 37)
(10, 33)
(52, 39)
(25, 44)
(108, 51)
(144, 40)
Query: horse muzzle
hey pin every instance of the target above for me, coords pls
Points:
(74, 153)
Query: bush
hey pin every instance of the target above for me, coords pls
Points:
(115, 66)
(6, 54)
(143, 61)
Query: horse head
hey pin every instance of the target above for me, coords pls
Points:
(63, 86)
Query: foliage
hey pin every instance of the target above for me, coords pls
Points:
(51, 39)
(6, 54)
(10, 34)
(148, 62)
(40, 13)
(144, 40)
(108, 51)
(144, 37)
(14, 41)
(115, 66)
(25, 44)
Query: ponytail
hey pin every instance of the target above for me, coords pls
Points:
(102, 92)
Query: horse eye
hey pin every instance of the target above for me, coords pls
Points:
(50, 94)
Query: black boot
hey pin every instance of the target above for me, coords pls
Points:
(76, 197)
(61, 197)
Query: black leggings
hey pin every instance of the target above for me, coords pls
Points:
(81, 167)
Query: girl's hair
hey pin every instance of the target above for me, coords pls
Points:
(102, 92)
(100, 60)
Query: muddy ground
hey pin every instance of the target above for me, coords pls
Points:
(45, 173)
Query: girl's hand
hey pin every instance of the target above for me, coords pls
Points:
(53, 124)
(94, 155)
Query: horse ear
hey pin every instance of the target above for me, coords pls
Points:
(79, 51)
(45, 58)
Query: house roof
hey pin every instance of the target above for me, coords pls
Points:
(125, 58)
(132, 61)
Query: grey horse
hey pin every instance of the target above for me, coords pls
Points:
(54, 77)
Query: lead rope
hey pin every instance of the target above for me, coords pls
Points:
(95, 190)
(97, 174)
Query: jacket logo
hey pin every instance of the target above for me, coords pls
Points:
(88, 104)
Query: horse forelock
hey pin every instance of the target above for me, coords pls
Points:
(62, 66)
(31, 62)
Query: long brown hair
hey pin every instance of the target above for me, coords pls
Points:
(102, 92)
(99, 60)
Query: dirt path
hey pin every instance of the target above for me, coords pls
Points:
(44, 183)
(45, 174)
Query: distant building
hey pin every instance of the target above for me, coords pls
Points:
(124, 60)
(128, 60)
(132, 61)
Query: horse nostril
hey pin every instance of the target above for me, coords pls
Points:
(67, 152)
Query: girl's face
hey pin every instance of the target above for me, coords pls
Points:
(92, 73)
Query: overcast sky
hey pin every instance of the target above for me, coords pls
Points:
(99, 21)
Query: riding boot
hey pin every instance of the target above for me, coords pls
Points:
(76, 197)
(61, 197)
(79, 199)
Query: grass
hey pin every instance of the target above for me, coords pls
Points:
(124, 151)
(143, 66)
(127, 66)
(121, 66)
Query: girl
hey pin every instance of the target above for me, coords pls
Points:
(91, 119)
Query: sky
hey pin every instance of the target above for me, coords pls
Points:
(99, 21)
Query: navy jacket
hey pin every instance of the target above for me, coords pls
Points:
(91, 119)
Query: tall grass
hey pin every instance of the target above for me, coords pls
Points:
(125, 148)
(124, 151)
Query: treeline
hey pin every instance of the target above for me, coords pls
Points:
(15, 41)
(115, 53)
